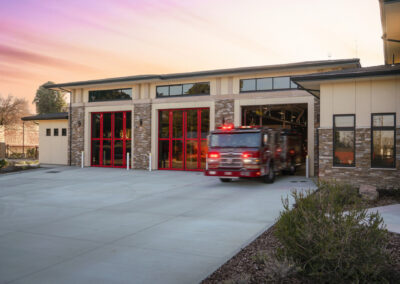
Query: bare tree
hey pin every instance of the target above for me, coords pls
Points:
(12, 109)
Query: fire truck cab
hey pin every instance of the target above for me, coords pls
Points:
(248, 152)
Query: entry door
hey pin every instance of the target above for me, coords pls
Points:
(110, 138)
(183, 139)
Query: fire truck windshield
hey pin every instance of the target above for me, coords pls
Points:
(235, 140)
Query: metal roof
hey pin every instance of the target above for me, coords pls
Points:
(47, 116)
(305, 64)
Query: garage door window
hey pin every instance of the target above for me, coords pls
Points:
(344, 140)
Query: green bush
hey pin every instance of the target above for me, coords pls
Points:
(331, 238)
(16, 156)
(31, 153)
(3, 163)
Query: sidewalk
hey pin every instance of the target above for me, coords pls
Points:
(390, 215)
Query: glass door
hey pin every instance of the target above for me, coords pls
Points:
(183, 139)
(111, 138)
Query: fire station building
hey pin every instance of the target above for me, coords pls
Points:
(348, 116)
(168, 117)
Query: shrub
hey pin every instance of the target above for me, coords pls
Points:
(31, 153)
(3, 163)
(330, 244)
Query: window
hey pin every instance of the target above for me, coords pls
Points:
(383, 140)
(281, 83)
(110, 95)
(344, 140)
(266, 84)
(183, 89)
(55, 132)
(48, 132)
(64, 132)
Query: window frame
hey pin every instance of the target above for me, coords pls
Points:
(48, 131)
(55, 132)
(272, 88)
(63, 131)
(182, 93)
(119, 89)
(383, 128)
(334, 128)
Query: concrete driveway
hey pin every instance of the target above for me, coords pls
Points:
(95, 225)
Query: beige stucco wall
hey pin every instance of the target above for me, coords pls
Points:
(360, 97)
(221, 85)
(53, 149)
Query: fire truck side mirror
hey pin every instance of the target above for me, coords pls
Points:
(265, 139)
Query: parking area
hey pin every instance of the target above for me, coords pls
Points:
(98, 225)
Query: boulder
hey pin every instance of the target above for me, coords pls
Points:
(368, 192)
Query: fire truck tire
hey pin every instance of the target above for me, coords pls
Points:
(225, 179)
(270, 177)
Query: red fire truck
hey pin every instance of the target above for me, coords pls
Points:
(251, 152)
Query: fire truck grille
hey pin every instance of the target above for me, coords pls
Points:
(231, 160)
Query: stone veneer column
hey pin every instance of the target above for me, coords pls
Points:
(316, 126)
(362, 172)
(77, 132)
(224, 111)
(141, 135)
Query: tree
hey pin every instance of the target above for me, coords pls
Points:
(49, 101)
(12, 109)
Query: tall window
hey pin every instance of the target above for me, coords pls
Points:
(110, 95)
(266, 84)
(183, 90)
(383, 130)
(344, 140)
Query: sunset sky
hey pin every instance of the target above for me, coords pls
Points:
(70, 40)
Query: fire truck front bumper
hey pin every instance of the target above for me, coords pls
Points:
(232, 173)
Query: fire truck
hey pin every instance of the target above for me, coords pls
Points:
(252, 152)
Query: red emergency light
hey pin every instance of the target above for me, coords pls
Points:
(214, 155)
(227, 127)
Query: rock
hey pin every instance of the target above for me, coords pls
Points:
(368, 192)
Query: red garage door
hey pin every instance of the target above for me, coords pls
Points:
(182, 139)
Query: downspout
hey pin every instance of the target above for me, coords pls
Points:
(70, 125)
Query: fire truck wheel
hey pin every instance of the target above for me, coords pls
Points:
(225, 179)
(270, 177)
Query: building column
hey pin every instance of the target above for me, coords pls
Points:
(141, 135)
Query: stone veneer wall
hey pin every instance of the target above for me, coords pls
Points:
(224, 111)
(141, 136)
(316, 127)
(78, 123)
(362, 172)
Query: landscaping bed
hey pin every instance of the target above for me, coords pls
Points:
(244, 267)
(328, 236)
(7, 166)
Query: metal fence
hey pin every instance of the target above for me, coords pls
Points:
(22, 152)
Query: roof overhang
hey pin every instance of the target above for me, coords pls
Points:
(312, 82)
(340, 63)
(390, 18)
(47, 116)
